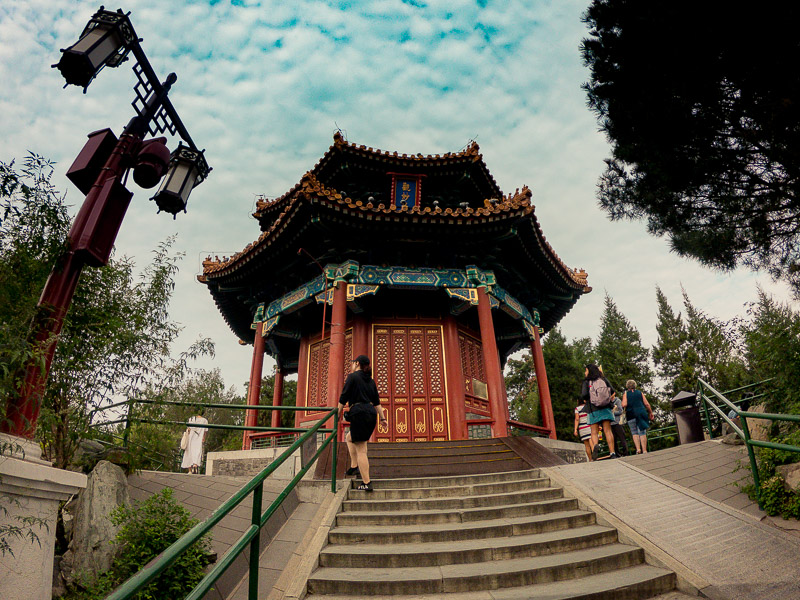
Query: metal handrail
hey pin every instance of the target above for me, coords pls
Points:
(744, 431)
(537, 429)
(250, 537)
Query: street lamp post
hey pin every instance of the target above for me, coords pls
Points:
(100, 173)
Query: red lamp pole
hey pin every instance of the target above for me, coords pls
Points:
(89, 241)
(105, 41)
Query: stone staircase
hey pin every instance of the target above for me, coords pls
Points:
(494, 536)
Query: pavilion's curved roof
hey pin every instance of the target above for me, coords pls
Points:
(497, 223)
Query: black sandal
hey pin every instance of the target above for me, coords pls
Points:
(352, 471)
(366, 487)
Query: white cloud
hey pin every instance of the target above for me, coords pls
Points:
(263, 86)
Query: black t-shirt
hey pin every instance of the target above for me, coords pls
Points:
(359, 387)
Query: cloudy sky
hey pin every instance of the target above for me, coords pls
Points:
(263, 85)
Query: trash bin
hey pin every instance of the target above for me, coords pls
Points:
(687, 418)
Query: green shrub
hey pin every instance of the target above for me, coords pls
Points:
(775, 498)
(146, 529)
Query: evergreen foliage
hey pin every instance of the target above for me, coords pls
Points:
(670, 350)
(565, 363)
(33, 230)
(711, 350)
(701, 103)
(772, 348)
(289, 398)
(619, 350)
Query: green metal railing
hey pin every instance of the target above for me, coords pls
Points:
(251, 537)
(707, 396)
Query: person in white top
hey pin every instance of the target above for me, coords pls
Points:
(193, 455)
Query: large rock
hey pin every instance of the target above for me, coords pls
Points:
(86, 456)
(90, 550)
(759, 428)
(790, 474)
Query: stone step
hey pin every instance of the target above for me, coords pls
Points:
(403, 451)
(455, 515)
(632, 583)
(468, 577)
(405, 505)
(451, 480)
(449, 491)
(563, 515)
(478, 443)
(439, 457)
(465, 551)
(428, 468)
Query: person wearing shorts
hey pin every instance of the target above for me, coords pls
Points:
(598, 417)
(639, 414)
(360, 394)
(582, 428)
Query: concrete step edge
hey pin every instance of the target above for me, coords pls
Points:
(483, 575)
(395, 504)
(458, 515)
(465, 551)
(632, 583)
(483, 489)
(402, 453)
(447, 480)
(550, 495)
(429, 532)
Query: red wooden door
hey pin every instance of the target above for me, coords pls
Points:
(409, 372)
(317, 373)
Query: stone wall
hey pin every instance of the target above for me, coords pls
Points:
(246, 463)
(571, 452)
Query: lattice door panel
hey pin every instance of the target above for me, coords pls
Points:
(475, 398)
(409, 372)
(318, 364)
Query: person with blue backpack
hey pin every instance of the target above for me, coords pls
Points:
(599, 394)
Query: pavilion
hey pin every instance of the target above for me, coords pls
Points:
(420, 262)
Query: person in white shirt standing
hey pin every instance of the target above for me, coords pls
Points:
(193, 455)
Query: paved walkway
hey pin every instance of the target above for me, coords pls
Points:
(716, 470)
(738, 556)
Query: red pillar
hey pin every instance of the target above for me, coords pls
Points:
(360, 336)
(254, 388)
(277, 398)
(455, 381)
(491, 361)
(302, 379)
(336, 355)
(546, 406)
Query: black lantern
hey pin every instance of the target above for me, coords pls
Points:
(187, 168)
(105, 41)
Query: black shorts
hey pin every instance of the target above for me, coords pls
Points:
(363, 417)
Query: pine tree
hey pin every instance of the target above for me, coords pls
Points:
(711, 351)
(669, 353)
(619, 349)
(772, 346)
(704, 125)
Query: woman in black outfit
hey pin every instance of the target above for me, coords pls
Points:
(361, 394)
